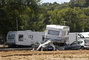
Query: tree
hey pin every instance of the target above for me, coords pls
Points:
(86, 11)
(77, 3)
(55, 17)
(12, 10)
(73, 18)
(86, 3)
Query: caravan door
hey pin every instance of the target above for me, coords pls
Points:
(22, 38)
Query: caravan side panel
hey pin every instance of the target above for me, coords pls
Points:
(22, 39)
(72, 37)
(38, 36)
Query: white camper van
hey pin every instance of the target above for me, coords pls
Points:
(24, 38)
(85, 34)
(57, 33)
(75, 36)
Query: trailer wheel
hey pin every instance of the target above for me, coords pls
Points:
(82, 48)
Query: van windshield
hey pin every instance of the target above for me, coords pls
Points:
(80, 35)
(53, 32)
(86, 41)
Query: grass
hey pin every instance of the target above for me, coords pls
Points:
(1, 46)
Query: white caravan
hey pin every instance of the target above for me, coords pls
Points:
(24, 38)
(74, 36)
(57, 33)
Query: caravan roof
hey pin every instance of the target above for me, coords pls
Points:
(57, 26)
(85, 34)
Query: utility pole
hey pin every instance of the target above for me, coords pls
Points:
(83, 30)
(17, 23)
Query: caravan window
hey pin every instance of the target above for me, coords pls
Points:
(11, 36)
(53, 32)
(80, 35)
(31, 37)
(20, 37)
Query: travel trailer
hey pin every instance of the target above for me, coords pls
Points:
(57, 33)
(24, 38)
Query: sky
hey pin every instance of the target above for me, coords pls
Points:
(58, 1)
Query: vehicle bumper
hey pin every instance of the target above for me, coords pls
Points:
(87, 47)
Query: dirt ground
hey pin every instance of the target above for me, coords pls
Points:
(45, 55)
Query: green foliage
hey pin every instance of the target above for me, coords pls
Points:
(55, 16)
(79, 3)
(20, 10)
(86, 11)
(72, 17)
(36, 23)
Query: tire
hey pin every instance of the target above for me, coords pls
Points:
(82, 48)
